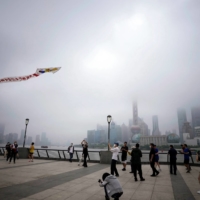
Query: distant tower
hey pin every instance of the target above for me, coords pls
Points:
(195, 111)
(135, 129)
(135, 113)
(181, 113)
(155, 125)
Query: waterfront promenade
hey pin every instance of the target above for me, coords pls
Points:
(60, 180)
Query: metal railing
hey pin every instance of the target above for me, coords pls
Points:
(94, 156)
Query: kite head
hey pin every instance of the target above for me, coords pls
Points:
(44, 70)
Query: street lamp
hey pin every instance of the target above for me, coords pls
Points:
(109, 119)
(26, 122)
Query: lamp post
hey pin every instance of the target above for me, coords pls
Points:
(109, 119)
(26, 122)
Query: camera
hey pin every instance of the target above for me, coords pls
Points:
(99, 181)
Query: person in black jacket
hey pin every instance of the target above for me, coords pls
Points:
(85, 152)
(152, 160)
(172, 153)
(136, 155)
(8, 149)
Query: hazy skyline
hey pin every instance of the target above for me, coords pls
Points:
(111, 53)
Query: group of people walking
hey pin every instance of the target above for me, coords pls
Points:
(136, 156)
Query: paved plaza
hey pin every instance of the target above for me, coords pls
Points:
(60, 180)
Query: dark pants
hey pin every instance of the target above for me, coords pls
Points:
(173, 166)
(132, 167)
(85, 160)
(113, 168)
(8, 154)
(152, 164)
(13, 154)
(115, 196)
(71, 156)
(137, 167)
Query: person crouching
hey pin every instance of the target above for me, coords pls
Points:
(111, 186)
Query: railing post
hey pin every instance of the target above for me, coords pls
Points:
(77, 155)
(192, 159)
(64, 155)
(59, 154)
(47, 153)
(38, 153)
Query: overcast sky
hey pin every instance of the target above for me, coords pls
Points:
(111, 53)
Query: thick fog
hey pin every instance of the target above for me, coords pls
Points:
(111, 53)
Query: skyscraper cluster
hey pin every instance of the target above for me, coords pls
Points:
(100, 135)
(186, 126)
(11, 137)
(119, 133)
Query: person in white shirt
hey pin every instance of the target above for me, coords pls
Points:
(71, 152)
(115, 152)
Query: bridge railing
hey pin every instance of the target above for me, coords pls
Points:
(94, 156)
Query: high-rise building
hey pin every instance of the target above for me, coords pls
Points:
(181, 113)
(187, 129)
(100, 136)
(15, 137)
(135, 128)
(135, 113)
(37, 140)
(143, 127)
(197, 131)
(29, 141)
(2, 128)
(21, 139)
(97, 136)
(125, 133)
(195, 112)
(104, 132)
(155, 126)
(11, 137)
(91, 136)
(115, 133)
(44, 139)
(104, 136)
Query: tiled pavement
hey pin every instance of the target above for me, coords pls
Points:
(60, 180)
